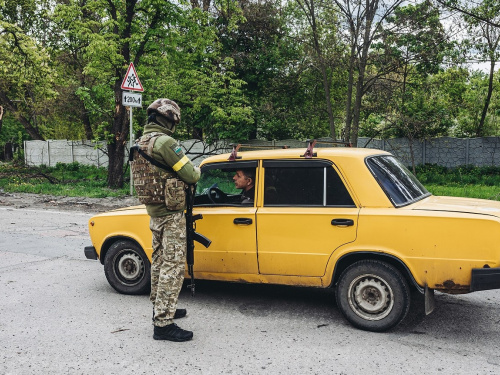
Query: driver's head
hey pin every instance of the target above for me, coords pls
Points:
(244, 179)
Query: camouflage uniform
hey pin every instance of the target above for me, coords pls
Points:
(167, 224)
(167, 265)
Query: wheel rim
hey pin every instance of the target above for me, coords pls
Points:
(370, 297)
(129, 267)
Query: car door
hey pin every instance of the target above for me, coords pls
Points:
(228, 223)
(307, 213)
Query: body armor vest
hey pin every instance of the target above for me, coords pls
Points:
(149, 181)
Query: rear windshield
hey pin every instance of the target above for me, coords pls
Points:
(400, 185)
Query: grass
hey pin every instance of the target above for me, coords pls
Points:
(468, 191)
(470, 182)
(78, 180)
(71, 180)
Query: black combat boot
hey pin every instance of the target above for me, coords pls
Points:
(172, 332)
(180, 313)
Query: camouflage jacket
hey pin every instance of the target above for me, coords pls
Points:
(167, 151)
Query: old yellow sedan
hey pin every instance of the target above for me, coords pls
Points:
(346, 218)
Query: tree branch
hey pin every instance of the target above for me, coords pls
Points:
(467, 12)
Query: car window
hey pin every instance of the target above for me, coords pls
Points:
(400, 185)
(304, 183)
(336, 192)
(216, 185)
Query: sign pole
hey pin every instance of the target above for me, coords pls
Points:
(130, 148)
(131, 83)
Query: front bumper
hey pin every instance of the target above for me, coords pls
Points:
(90, 252)
(485, 279)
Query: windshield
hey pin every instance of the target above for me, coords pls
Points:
(400, 185)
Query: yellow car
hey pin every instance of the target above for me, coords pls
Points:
(346, 218)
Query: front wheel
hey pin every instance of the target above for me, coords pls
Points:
(373, 295)
(127, 268)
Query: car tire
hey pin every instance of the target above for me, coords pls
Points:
(127, 268)
(373, 295)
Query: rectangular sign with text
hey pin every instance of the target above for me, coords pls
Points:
(131, 99)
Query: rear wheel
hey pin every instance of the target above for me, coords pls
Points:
(127, 268)
(373, 295)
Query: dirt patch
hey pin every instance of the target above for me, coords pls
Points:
(82, 204)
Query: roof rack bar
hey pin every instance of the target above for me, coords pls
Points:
(264, 146)
(347, 144)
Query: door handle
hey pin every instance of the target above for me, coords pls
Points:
(242, 221)
(343, 222)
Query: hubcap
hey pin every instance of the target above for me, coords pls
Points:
(370, 297)
(130, 266)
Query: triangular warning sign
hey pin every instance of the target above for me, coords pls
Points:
(131, 80)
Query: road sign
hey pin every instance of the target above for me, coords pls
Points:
(131, 80)
(131, 99)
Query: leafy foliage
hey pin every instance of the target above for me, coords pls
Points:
(463, 175)
(243, 69)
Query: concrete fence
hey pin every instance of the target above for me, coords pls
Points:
(445, 151)
(51, 152)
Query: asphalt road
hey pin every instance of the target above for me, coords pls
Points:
(58, 315)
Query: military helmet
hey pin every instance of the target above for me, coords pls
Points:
(166, 108)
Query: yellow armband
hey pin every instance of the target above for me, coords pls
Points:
(181, 163)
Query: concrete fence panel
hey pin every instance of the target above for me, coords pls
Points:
(51, 152)
(445, 151)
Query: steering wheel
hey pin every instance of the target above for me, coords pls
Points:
(216, 195)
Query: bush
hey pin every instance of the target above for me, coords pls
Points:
(71, 179)
(463, 175)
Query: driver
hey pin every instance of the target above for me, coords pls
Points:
(245, 179)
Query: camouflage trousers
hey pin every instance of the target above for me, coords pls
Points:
(167, 265)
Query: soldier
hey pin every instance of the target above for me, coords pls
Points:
(163, 193)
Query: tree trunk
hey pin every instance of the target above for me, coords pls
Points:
(328, 101)
(371, 9)
(357, 107)
(322, 66)
(87, 127)
(30, 129)
(348, 103)
(359, 95)
(116, 149)
(89, 135)
(480, 127)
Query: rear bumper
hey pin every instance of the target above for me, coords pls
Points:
(90, 252)
(485, 279)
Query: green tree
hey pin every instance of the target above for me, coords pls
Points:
(26, 71)
(473, 9)
(363, 21)
(484, 43)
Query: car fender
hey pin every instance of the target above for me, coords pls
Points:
(345, 255)
(109, 240)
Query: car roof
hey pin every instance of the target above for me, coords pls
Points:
(297, 153)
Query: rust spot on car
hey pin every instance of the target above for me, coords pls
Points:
(449, 286)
